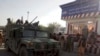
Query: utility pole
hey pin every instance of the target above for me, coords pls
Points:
(28, 15)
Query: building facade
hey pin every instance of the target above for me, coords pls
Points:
(81, 13)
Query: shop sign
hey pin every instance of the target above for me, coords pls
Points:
(80, 8)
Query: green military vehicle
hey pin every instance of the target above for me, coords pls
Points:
(27, 40)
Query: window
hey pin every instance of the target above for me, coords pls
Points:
(41, 34)
(28, 33)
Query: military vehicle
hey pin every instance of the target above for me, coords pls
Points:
(26, 39)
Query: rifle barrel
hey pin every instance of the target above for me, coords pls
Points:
(33, 19)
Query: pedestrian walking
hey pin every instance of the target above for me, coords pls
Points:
(62, 42)
(81, 47)
(68, 43)
(91, 39)
(65, 43)
(82, 42)
(72, 43)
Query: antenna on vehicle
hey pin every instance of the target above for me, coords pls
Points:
(21, 19)
(28, 15)
(33, 19)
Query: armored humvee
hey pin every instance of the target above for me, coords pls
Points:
(25, 39)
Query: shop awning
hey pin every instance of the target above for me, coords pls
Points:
(84, 15)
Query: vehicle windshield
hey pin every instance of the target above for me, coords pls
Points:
(41, 34)
(28, 33)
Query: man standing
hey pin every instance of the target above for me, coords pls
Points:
(92, 39)
(85, 32)
(69, 43)
(82, 42)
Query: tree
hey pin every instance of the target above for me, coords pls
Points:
(41, 27)
(51, 27)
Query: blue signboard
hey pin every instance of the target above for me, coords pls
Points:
(80, 7)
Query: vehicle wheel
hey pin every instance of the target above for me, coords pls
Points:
(24, 52)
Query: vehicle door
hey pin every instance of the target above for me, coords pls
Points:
(10, 38)
(16, 39)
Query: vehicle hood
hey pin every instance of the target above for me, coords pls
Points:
(39, 40)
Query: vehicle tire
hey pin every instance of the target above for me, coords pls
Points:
(24, 52)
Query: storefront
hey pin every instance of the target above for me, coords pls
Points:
(81, 13)
(77, 26)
